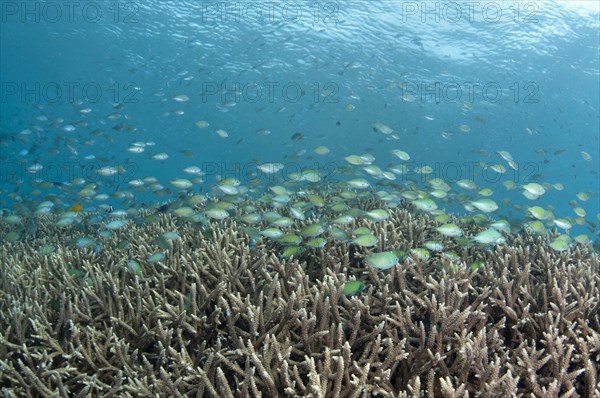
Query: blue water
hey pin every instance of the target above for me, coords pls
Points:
(538, 63)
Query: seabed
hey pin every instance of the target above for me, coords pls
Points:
(170, 307)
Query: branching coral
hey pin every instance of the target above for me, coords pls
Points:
(219, 318)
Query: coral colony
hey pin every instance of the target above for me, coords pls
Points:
(221, 309)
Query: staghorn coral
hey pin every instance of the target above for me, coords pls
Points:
(218, 318)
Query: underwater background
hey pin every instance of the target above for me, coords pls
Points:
(300, 199)
(455, 82)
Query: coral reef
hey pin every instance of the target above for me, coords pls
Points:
(220, 316)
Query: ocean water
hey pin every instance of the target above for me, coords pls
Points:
(455, 82)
